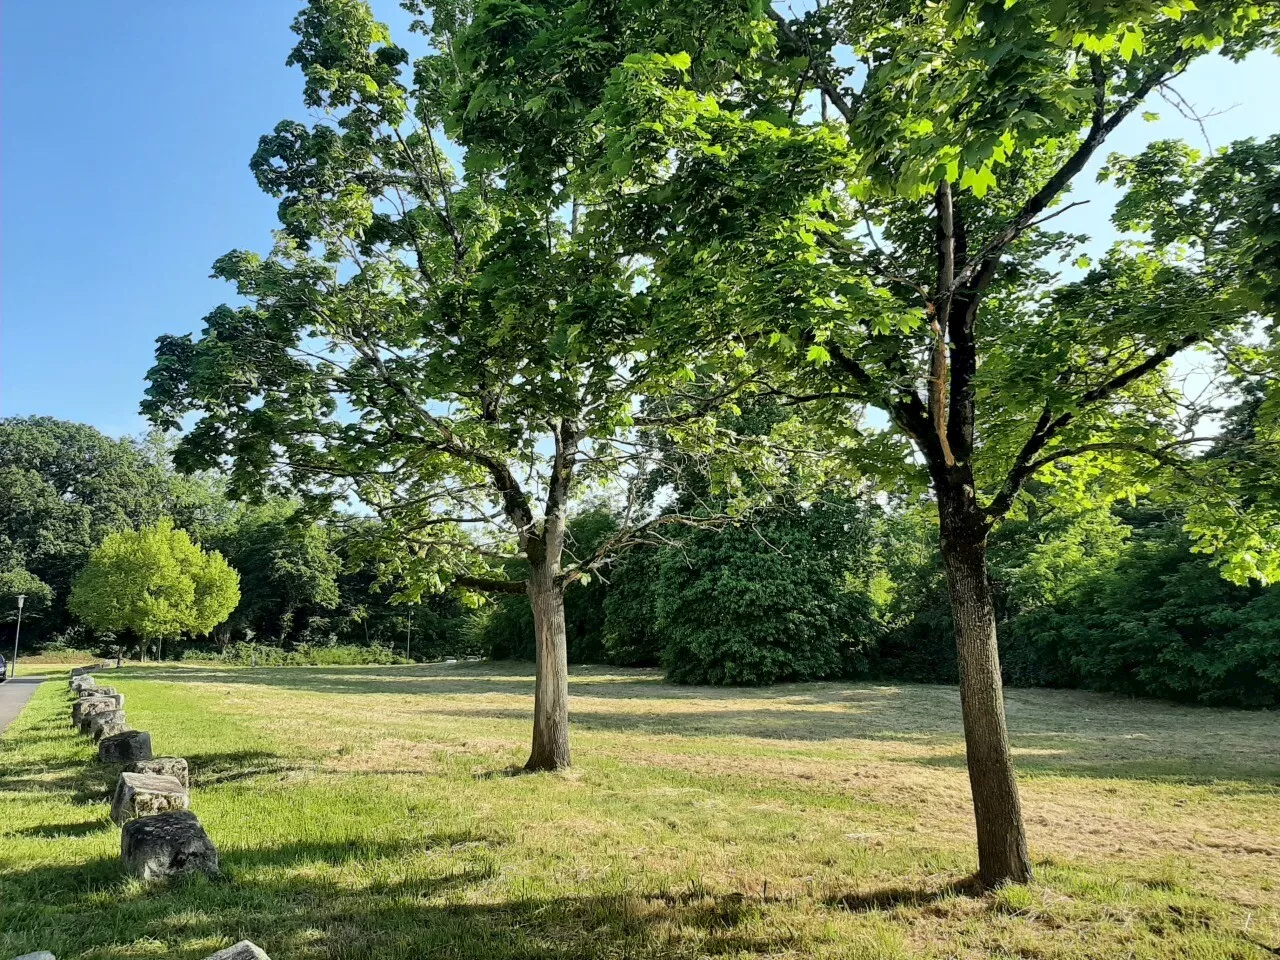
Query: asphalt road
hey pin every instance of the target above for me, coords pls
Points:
(14, 695)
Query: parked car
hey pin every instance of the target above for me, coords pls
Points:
(4, 669)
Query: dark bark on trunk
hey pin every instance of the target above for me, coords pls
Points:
(997, 809)
(551, 690)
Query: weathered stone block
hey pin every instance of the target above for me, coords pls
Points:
(88, 706)
(82, 682)
(145, 795)
(93, 690)
(167, 845)
(244, 950)
(175, 767)
(102, 725)
(41, 955)
(126, 747)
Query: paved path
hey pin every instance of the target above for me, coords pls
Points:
(14, 695)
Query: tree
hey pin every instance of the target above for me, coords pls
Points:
(455, 346)
(155, 583)
(781, 600)
(507, 630)
(288, 566)
(66, 487)
(859, 198)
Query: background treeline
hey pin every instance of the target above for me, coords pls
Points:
(1106, 598)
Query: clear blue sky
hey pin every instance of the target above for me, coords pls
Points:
(125, 132)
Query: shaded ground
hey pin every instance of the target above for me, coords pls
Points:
(369, 812)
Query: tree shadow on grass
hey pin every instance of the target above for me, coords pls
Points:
(80, 829)
(891, 898)
(285, 899)
(1071, 733)
(207, 769)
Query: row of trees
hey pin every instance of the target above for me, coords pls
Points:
(564, 229)
(1104, 598)
(70, 488)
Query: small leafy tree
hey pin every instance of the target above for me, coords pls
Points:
(155, 583)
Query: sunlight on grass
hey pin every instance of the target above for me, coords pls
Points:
(371, 813)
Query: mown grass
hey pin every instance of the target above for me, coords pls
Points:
(373, 812)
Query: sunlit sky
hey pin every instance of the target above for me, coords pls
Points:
(125, 132)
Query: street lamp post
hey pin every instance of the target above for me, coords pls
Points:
(22, 598)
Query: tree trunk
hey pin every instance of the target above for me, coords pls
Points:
(997, 810)
(551, 690)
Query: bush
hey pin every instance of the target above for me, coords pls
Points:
(1162, 623)
(779, 601)
(305, 655)
(631, 636)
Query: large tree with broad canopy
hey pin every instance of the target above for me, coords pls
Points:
(859, 198)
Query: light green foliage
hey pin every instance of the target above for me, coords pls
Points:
(858, 202)
(66, 486)
(156, 583)
(458, 347)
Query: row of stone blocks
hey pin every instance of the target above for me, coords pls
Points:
(160, 837)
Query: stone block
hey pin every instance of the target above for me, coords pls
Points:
(125, 747)
(244, 950)
(145, 795)
(40, 955)
(167, 845)
(175, 767)
(102, 725)
(80, 683)
(88, 706)
(93, 690)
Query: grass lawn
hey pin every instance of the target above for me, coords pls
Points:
(372, 812)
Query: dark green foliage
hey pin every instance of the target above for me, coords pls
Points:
(776, 601)
(1158, 623)
(1114, 602)
(631, 634)
(288, 567)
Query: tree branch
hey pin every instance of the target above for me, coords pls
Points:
(1048, 426)
(825, 83)
(981, 269)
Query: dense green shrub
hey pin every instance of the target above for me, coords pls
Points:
(631, 635)
(1112, 601)
(783, 599)
(1160, 622)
